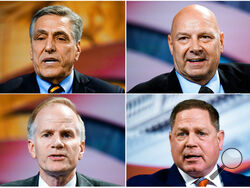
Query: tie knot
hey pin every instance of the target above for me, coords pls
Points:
(55, 89)
(205, 89)
(201, 182)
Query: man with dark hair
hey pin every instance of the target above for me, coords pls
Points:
(196, 140)
(196, 44)
(55, 34)
(56, 138)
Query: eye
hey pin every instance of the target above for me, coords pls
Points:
(46, 135)
(66, 135)
(205, 38)
(61, 38)
(183, 38)
(201, 133)
(181, 134)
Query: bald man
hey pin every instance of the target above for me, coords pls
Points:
(196, 44)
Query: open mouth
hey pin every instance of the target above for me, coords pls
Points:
(50, 60)
(192, 158)
(196, 60)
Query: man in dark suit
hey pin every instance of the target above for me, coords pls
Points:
(56, 138)
(55, 34)
(196, 141)
(196, 44)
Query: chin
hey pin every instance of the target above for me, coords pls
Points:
(195, 171)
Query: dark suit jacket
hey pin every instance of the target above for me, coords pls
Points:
(234, 77)
(81, 84)
(82, 180)
(172, 177)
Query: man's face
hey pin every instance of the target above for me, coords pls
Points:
(53, 50)
(56, 145)
(195, 143)
(196, 45)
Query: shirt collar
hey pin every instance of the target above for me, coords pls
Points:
(71, 183)
(190, 180)
(191, 87)
(66, 84)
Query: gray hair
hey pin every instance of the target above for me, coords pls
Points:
(54, 100)
(75, 19)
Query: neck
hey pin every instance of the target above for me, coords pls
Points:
(57, 179)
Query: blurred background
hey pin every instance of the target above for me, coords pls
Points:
(148, 146)
(149, 23)
(104, 118)
(103, 39)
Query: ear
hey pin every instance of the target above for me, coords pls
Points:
(31, 53)
(78, 51)
(170, 137)
(170, 44)
(31, 148)
(221, 42)
(220, 138)
(82, 147)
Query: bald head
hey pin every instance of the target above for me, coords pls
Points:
(194, 12)
(196, 43)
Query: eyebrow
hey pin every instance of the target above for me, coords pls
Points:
(42, 31)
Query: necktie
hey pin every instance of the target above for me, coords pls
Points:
(205, 89)
(201, 182)
(55, 89)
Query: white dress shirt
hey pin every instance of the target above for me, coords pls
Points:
(71, 183)
(190, 181)
(191, 87)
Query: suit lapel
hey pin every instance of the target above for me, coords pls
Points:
(174, 177)
(82, 181)
(79, 83)
(232, 78)
(171, 84)
(29, 84)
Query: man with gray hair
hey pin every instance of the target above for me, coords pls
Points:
(55, 34)
(56, 138)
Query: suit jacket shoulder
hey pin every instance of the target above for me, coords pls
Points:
(235, 77)
(231, 179)
(22, 84)
(81, 84)
(172, 177)
(165, 177)
(83, 180)
(164, 83)
(33, 181)
(88, 84)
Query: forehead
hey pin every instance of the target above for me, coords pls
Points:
(194, 117)
(56, 116)
(53, 22)
(194, 21)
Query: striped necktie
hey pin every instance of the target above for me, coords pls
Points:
(201, 182)
(55, 89)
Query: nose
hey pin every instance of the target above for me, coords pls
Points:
(50, 45)
(195, 47)
(191, 141)
(57, 142)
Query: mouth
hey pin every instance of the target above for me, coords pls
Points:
(191, 157)
(50, 60)
(57, 157)
(196, 60)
